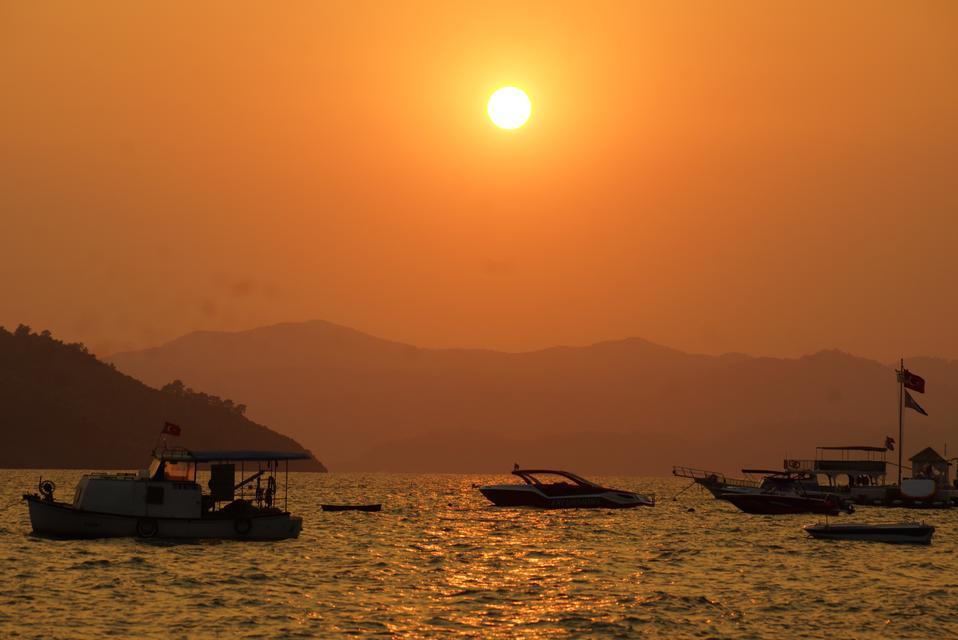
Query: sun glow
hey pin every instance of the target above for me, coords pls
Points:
(509, 108)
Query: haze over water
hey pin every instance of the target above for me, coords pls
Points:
(440, 562)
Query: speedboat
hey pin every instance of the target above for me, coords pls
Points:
(166, 501)
(904, 532)
(777, 503)
(549, 489)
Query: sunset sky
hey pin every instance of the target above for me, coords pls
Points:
(772, 178)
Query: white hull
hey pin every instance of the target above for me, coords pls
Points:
(62, 520)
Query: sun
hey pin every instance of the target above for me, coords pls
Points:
(509, 108)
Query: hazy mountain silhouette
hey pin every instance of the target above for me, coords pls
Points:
(63, 408)
(628, 406)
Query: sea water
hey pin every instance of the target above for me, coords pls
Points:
(439, 561)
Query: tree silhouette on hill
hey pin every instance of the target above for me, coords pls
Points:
(177, 388)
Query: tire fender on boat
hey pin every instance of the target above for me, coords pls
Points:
(243, 526)
(147, 527)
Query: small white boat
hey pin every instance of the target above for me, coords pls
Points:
(566, 491)
(902, 532)
(166, 501)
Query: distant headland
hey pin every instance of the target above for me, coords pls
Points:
(64, 408)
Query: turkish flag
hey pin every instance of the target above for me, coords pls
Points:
(171, 429)
(912, 381)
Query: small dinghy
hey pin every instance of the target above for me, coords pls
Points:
(903, 532)
(352, 507)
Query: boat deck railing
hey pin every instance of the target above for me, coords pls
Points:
(712, 477)
(836, 466)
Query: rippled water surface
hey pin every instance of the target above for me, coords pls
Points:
(438, 561)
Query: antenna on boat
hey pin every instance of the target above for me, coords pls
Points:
(901, 404)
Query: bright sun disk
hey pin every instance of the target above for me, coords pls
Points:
(509, 108)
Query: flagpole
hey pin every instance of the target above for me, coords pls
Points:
(901, 403)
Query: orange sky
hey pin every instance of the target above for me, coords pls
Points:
(773, 178)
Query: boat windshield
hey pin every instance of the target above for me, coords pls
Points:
(169, 470)
(179, 470)
(540, 477)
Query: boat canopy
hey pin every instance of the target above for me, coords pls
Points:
(765, 472)
(183, 455)
(855, 448)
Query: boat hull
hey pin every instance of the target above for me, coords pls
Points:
(352, 507)
(772, 504)
(901, 533)
(525, 496)
(63, 521)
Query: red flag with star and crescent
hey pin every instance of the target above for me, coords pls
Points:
(171, 429)
(912, 381)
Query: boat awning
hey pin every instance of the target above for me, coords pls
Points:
(230, 456)
(858, 448)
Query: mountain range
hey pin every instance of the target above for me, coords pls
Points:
(628, 406)
(64, 408)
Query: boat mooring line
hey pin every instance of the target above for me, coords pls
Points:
(676, 496)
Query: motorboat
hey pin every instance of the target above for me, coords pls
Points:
(551, 489)
(785, 492)
(904, 532)
(167, 501)
(716, 482)
(756, 481)
(777, 503)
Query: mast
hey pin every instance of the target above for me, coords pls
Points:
(901, 403)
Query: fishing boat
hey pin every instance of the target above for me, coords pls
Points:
(904, 532)
(167, 501)
(551, 489)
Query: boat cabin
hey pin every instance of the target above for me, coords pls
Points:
(783, 481)
(847, 466)
(173, 485)
(928, 463)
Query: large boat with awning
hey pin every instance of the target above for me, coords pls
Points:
(245, 500)
(860, 474)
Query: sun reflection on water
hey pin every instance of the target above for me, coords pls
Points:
(440, 562)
